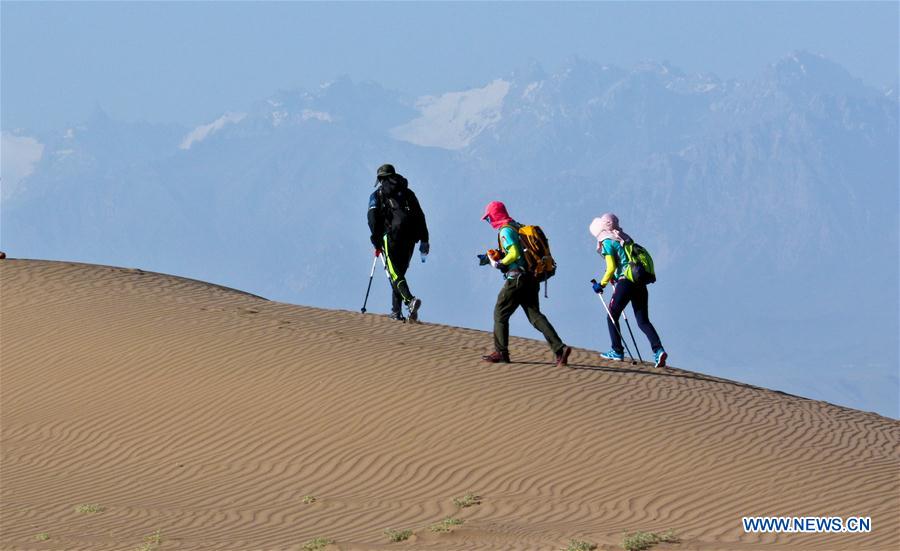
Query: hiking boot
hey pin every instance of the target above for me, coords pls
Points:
(562, 359)
(497, 358)
(660, 357)
(414, 306)
(397, 316)
(613, 355)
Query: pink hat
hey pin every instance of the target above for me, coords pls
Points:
(495, 212)
(607, 227)
(607, 222)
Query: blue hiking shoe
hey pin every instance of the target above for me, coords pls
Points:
(660, 356)
(613, 355)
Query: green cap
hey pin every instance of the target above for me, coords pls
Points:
(385, 170)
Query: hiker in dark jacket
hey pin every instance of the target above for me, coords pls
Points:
(520, 288)
(396, 222)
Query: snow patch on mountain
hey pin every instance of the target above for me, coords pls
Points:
(531, 90)
(453, 120)
(204, 131)
(308, 114)
(278, 118)
(18, 157)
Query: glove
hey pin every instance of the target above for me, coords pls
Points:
(377, 253)
(483, 260)
(598, 287)
(424, 248)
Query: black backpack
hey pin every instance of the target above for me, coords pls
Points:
(393, 196)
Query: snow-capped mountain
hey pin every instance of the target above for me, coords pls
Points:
(761, 201)
(454, 119)
(203, 131)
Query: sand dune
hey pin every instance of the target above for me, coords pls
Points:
(209, 414)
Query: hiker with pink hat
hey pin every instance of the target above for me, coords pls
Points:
(626, 264)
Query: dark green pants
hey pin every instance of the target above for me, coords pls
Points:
(523, 291)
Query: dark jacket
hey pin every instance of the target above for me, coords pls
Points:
(394, 210)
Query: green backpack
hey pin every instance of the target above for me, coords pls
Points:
(640, 264)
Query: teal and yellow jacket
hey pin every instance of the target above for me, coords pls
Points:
(616, 260)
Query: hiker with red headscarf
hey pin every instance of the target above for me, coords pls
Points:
(520, 288)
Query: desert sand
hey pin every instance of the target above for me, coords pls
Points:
(210, 414)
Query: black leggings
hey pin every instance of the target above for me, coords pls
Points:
(397, 254)
(637, 295)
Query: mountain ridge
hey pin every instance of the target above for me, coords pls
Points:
(743, 192)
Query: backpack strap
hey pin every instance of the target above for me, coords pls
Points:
(499, 241)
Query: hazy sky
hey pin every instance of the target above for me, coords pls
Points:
(190, 62)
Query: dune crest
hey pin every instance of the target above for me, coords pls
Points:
(226, 421)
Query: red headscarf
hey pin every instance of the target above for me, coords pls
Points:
(496, 212)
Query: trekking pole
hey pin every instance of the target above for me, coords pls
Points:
(619, 331)
(384, 265)
(369, 288)
(636, 349)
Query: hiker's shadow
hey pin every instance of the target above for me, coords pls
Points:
(647, 370)
(623, 369)
(593, 367)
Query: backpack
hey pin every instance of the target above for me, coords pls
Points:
(640, 264)
(536, 248)
(395, 211)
